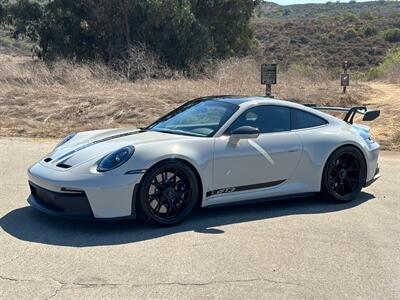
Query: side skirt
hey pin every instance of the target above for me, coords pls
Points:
(259, 200)
(245, 187)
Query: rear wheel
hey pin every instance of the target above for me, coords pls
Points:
(344, 175)
(168, 194)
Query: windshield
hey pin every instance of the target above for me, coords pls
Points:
(197, 118)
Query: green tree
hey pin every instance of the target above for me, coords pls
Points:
(228, 23)
(180, 32)
(25, 15)
(3, 12)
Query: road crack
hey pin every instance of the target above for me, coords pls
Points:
(63, 285)
(95, 285)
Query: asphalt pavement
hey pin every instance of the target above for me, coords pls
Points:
(295, 248)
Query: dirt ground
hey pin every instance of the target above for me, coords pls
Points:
(386, 129)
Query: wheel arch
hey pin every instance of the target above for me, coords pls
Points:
(357, 147)
(172, 159)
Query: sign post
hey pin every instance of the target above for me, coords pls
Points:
(345, 77)
(269, 77)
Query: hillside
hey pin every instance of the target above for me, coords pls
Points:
(331, 8)
(326, 34)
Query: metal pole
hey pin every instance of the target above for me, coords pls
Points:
(268, 90)
(345, 66)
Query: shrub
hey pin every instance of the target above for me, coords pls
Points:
(332, 35)
(350, 17)
(5, 42)
(388, 69)
(323, 37)
(392, 35)
(369, 30)
(350, 33)
(286, 12)
(339, 18)
(140, 63)
(369, 15)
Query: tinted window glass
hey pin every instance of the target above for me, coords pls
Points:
(198, 118)
(302, 119)
(266, 118)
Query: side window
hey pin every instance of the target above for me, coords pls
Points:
(302, 119)
(267, 119)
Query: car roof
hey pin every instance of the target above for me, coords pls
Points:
(250, 101)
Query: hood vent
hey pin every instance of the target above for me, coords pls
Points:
(47, 159)
(64, 166)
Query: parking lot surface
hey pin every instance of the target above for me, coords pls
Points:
(294, 248)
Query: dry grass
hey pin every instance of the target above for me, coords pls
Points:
(38, 101)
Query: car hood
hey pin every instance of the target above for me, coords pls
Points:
(90, 145)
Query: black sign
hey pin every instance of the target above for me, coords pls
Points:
(268, 73)
(345, 80)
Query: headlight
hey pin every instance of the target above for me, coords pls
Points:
(115, 159)
(66, 139)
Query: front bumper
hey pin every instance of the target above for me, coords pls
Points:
(68, 194)
(377, 175)
(69, 205)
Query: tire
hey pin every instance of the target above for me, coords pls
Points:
(344, 175)
(168, 194)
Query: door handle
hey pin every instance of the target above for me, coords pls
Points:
(294, 150)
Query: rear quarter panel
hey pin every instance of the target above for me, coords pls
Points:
(318, 145)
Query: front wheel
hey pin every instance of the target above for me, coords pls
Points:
(344, 175)
(168, 194)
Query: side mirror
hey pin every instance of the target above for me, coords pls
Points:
(371, 115)
(244, 132)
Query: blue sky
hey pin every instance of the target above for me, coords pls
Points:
(287, 2)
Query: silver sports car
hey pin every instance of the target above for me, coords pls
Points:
(210, 151)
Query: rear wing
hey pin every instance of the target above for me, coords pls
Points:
(369, 115)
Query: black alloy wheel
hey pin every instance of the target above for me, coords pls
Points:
(344, 174)
(168, 194)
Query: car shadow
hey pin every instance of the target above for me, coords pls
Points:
(30, 225)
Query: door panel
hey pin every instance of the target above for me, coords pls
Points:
(270, 158)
